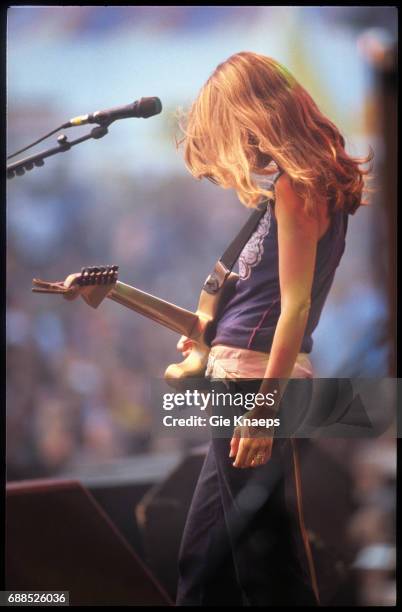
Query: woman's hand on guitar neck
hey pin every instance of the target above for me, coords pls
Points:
(185, 346)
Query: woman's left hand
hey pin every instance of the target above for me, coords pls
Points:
(249, 447)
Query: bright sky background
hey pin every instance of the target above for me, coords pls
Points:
(73, 64)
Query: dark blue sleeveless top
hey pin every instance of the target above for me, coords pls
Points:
(249, 319)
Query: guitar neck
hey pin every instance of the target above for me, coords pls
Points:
(169, 315)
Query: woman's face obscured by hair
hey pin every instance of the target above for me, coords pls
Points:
(253, 117)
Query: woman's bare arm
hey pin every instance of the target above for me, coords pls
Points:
(297, 244)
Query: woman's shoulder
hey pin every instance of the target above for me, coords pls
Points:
(290, 206)
(286, 196)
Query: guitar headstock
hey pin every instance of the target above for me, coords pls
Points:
(93, 283)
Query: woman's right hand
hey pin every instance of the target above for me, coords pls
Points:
(185, 346)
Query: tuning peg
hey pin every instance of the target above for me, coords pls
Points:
(110, 275)
(87, 276)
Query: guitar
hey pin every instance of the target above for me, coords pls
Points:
(96, 283)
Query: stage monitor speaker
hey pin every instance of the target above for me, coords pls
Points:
(161, 515)
(58, 538)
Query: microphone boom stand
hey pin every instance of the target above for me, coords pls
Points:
(19, 167)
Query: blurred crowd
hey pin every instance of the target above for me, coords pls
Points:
(372, 529)
(79, 379)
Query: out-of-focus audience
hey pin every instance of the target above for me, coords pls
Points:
(79, 380)
(372, 529)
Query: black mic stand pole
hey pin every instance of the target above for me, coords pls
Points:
(18, 168)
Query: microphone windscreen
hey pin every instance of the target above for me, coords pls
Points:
(147, 107)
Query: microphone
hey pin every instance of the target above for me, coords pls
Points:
(143, 108)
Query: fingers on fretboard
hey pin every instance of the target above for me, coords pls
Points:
(98, 275)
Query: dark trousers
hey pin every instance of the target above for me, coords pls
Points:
(244, 541)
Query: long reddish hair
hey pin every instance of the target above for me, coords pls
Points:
(253, 117)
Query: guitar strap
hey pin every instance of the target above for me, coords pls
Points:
(232, 253)
(225, 264)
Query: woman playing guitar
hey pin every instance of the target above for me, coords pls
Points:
(255, 129)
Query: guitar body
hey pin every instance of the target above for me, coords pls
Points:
(208, 311)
